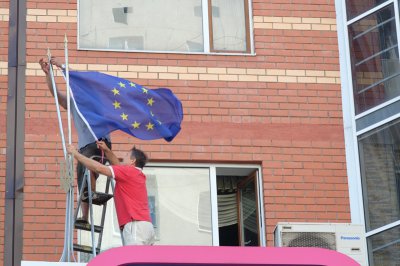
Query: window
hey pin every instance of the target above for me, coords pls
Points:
(196, 205)
(194, 26)
(176, 193)
(380, 163)
(371, 102)
(375, 59)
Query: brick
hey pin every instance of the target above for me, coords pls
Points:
(137, 68)
(167, 76)
(280, 108)
(188, 76)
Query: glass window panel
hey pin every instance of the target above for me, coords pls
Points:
(378, 115)
(229, 26)
(384, 248)
(380, 174)
(357, 7)
(181, 205)
(156, 25)
(375, 59)
(249, 214)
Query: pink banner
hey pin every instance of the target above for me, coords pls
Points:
(195, 255)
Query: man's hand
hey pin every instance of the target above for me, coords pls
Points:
(45, 66)
(102, 146)
(71, 149)
(56, 62)
(109, 154)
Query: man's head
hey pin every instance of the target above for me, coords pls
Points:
(138, 157)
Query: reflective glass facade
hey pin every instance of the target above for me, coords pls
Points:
(372, 39)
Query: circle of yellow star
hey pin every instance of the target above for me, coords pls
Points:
(136, 124)
(122, 85)
(124, 116)
(150, 126)
(117, 105)
(115, 91)
(150, 101)
(144, 90)
(132, 84)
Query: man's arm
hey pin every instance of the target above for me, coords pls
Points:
(109, 154)
(92, 165)
(62, 98)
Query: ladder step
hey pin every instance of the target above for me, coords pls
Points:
(101, 199)
(86, 249)
(86, 227)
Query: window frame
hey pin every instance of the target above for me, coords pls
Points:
(206, 7)
(213, 191)
(246, 4)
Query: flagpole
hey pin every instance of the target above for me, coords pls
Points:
(51, 72)
(69, 222)
(57, 104)
(68, 89)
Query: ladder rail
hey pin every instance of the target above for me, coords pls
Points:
(103, 215)
(94, 248)
(91, 212)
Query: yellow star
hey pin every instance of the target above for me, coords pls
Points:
(116, 105)
(124, 116)
(132, 84)
(150, 101)
(115, 91)
(150, 126)
(145, 90)
(122, 85)
(136, 125)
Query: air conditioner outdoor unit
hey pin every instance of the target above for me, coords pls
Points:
(345, 238)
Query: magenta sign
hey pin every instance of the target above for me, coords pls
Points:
(238, 256)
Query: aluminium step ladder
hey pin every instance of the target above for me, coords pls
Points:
(101, 201)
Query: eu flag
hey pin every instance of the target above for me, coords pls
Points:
(110, 103)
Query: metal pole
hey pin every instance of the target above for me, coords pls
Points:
(91, 211)
(53, 83)
(68, 89)
(70, 157)
(14, 176)
(68, 232)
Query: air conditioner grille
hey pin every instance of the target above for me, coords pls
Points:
(309, 239)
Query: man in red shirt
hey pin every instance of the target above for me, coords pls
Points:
(130, 193)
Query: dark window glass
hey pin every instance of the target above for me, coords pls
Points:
(380, 174)
(374, 59)
(384, 248)
(357, 7)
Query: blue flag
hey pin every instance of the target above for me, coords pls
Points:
(109, 103)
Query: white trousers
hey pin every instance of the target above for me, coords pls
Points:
(138, 233)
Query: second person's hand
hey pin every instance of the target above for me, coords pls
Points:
(102, 145)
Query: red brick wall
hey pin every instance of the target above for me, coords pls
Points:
(280, 108)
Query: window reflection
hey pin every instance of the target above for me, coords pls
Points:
(380, 172)
(375, 59)
(181, 210)
(356, 7)
(229, 25)
(165, 25)
(385, 248)
(156, 25)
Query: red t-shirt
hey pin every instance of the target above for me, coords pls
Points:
(130, 195)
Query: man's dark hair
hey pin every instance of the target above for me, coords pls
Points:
(140, 156)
